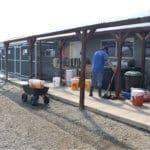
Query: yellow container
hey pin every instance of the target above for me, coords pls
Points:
(74, 84)
(87, 84)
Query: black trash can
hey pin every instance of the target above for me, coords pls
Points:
(133, 79)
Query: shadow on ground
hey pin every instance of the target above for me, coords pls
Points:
(62, 118)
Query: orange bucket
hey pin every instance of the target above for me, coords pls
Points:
(138, 100)
(36, 83)
(87, 84)
(74, 84)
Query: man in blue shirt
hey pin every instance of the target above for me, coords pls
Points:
(98, 62)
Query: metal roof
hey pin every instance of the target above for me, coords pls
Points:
(106, 26)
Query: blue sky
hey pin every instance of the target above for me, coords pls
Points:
(27, 17)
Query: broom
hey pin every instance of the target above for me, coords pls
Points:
(110, 83)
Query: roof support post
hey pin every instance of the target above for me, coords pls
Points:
(143, 37)
(85, 36)
(82, 75)
(6, 45)
(31, 42)
(120, 38)
(61, 47)
(118, 75)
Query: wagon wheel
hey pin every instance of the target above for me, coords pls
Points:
(34, 100)
(24, 97)
(46, 100)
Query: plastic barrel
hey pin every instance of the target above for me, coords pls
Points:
(87, 84)
(132, 79)
(74, 84)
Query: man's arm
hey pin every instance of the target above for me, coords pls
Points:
(114, 68)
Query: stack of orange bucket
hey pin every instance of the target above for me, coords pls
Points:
(87, 84)
(138, 100)
(74, 83)
(137, 96)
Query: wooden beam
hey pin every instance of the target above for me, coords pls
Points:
(118, 74)
(90, 34)
(82, 75)
(139, 36)
(115, 35)
(85, 36)
(147, 36)
(120, 38)
(125, 35)
(78, 35)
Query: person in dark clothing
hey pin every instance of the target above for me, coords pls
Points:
(98, 61)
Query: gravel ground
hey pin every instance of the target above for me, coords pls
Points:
(61, 126)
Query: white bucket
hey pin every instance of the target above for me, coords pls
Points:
(69, 75)
(137, 92)
(56, 81)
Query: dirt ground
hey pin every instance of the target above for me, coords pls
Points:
(61, 126)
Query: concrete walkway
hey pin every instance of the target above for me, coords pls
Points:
(119, 110)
